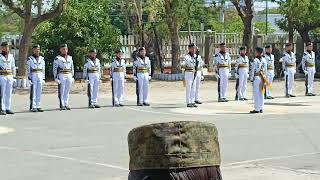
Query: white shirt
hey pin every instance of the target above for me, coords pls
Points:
(36, 63)
(258, 65)
(61, 63)
(308, 58)
(194, 61)
(91, 65)
(8, 63)
(141, 63)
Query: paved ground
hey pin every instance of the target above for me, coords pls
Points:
(82, 144)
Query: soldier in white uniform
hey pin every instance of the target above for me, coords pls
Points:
(222, 68)
(193, 75)
(258, 72)
(242, 74)
(36, 75)
(309, 68)
(63, 72)
(289, 69)
(142, 75)
(92, 75)
(118, 75)
(270, 74)
(7, 78)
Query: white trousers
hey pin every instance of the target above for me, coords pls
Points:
(143, 84)
(270, 77)
(118, 87)
(311, 73)
(37, 85)
(258, 97)
(192, 86)
(243, 80)
(66, 81)
(94, 82)
(6, 83)
(224, 81)
(290, 80)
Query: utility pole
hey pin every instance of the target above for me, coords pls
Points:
(266, 17)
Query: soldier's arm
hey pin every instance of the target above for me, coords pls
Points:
(72, 68)
(252, 70)
(124, 68)
(216, 63)
(149, 67)
(55, 68)
(284, 63)
(134, 69)
(303, 62)
(44, 69)
(85, 71)
(229, 62)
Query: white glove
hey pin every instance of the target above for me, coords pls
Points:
(217, 76)
(202, 78)
(149, 78)
(125, 80)
(57, 80)
(43, 82)
(305, 72)
(237, 75)
(134, 78)
(229, 75)
(87, 81)
(100, 81)
(30, 82)
(72, 80)
(285, 73)
(14, 80)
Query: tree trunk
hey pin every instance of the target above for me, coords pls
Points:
(290, 28)
(304, 33)
(247, 35)
(24, 47)
(175, 45)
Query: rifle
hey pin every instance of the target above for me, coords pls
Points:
(287, 90)
(89, 94)
(307, 83)
(59, 95)
(1, 98)
(112, 91)
(31, 96)
(237, 89)
(196, 66)
(134, 56)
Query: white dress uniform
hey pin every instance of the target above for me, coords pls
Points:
(118, 75)
(223, 67)
(63, 71)
(308, 66)
(7, 75)
(193, 75)
(92, 74)
(242, 69)
(36, 74)
(258, 68)
(289, 67)
(142, 73)
(270, 74)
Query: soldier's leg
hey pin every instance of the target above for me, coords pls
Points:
(311, 74)
(245, 84)
(188, 79)
(39, 93)
(9, 87)
(3, 82)
(197, 87)
(34, 92)
(226, 83)
(140, 84)
(146, 89)
(62, 89)
(95, 91)
(121, 90)
(222, 82)
(256, 91)
(116, 90)
(66, 94)
(290, 81)
(241, 84)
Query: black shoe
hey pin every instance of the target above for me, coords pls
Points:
(139, 104)
(268, 97)
(245, 99)
(241, 99)
(9, 112)
(198, 102)
(116, 105)
(121, 105)
(313, 94)
(261, 111)
(146, 104)
(292, 95)
(254, 112)
(63, 108)
(33, 110)
(221, 100)
(288, 96)
(96, 106)
(309, 94)
(189, 105)
(92, 106)
(68, 108)
(39, 110)
(194, 105)
(226, 100)
(3, 113)
(271, 97)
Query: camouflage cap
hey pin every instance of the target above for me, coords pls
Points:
(174, 145)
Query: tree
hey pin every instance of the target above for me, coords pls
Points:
(82, 26)
(245, 11)
(33, 13)
(260, 27)
(300, 15)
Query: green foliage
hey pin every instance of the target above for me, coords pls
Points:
(260, 27)
(10, 23)
(83, 26)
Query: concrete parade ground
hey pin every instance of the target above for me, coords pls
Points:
(91, 144)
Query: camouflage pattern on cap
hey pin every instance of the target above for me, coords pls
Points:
(174, 145)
